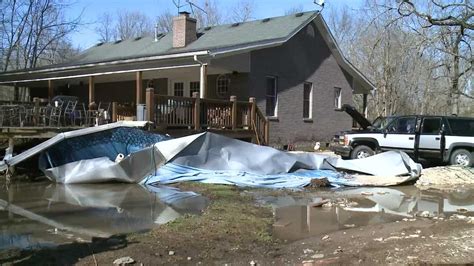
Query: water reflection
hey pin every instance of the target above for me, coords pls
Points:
(34, 213)
(296, 218)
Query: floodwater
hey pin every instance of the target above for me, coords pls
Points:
(296, 218)
(44, 214)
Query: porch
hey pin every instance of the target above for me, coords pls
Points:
(173, 115)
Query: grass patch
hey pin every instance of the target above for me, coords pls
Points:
(232, 221)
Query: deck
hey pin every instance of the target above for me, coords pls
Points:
(176, 116)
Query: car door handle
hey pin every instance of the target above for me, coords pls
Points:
(411, 138)
(437, 138)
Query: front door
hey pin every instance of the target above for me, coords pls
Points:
(400, 135)
(430, 137)
(184, 88)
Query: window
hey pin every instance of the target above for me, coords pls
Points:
(307, 99)
(403, 125)
(462, 126)
(337, 98)
(271, 96)
(193, 87)
(179, 89)
(431, 126)
(223, 83)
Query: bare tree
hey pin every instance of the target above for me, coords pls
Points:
(450, 27)
(30, 30)
(131, 24)
(242, 11)
(164, 22)
(294, 10)
(207, 13)
(106, 28)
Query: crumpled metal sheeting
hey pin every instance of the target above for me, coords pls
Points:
(391, 163)
(132, 169)
(215, 152)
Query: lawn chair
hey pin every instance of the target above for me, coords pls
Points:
(55, 114)
(69, 112)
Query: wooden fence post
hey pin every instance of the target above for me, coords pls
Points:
(197, 111)
(114, 111)
(253, 113)
(233, 99)
(150, 104)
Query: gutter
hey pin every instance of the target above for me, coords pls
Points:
(125, 61)
(98, 74)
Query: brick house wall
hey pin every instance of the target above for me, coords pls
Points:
(304, 58)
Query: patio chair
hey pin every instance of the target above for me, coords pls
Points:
(55, 114)
(70, 112)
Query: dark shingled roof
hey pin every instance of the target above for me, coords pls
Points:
(210, 38)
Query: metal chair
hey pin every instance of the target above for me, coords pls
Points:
(55, 114)
(69, 112)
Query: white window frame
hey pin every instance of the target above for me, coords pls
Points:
(186, 87)
(275, 110)
(337, 97)
(227, 93)
(310, 100)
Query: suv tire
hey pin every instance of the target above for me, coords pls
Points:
(361, 151)
(461, 157)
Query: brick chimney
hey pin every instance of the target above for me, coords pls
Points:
(184, 30)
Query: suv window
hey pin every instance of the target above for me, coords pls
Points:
(431, 126)
(403, 125)
(461, 127)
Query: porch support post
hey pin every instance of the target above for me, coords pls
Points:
(364, 105)
(139, 87)
(150, 105)
(253, 112)
(91, 90)
(197, 111)
(114, 111)
(233, 99)
(203, 81)
(50, 90)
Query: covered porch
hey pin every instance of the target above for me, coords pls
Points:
(184, 95)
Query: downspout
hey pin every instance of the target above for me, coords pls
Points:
(202, 77)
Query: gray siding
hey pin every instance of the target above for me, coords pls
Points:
(304, 58)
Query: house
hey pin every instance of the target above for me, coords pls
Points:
(290, 64)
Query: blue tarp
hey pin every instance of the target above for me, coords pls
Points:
(175, 173)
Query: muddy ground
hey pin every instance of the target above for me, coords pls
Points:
(234, 229)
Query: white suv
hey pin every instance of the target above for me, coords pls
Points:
(446, 138)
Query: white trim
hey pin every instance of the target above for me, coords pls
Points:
(186, 86)
(310, 109)
(124, 61)
(338, 97)
(100, 74)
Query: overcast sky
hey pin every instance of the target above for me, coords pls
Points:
(92, 9)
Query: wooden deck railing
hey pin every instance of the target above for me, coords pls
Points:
(172, 112)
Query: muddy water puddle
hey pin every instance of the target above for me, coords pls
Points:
(43, 214)
(298, 218)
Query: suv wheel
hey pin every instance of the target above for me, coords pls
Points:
(361, 151)
(461, 157)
